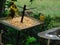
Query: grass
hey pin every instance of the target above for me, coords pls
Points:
(47, 7)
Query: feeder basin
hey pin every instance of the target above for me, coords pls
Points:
(16, 22)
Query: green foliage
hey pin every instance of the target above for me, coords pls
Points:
(36, 16)
(8, 44)
(47, 22)
(6, 13)
(57, 18)
(7, 4)
(31, 40)
(10, 35)
(14, 0)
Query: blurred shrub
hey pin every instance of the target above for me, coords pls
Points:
(8, 44)
(57, 18)
(6, 13)
(47, 22)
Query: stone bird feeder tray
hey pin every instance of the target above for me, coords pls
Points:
(29, 24)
